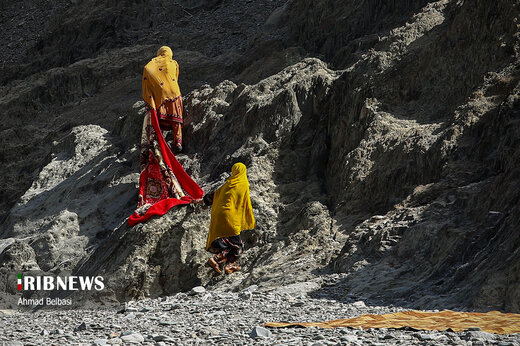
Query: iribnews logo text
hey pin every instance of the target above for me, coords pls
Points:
(67, 283)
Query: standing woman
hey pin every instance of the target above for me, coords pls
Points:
(161, 92)
(163, 182)
(231, 213)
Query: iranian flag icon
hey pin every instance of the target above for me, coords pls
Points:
(19, 282)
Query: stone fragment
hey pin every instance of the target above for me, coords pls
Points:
(359, 304)
(161, 337)
(260, 332)
(132, 338)
(251, 289)
(349, 338)
(166, 323)
(217, 313)
(197, 290)
(479, 335)
(82, 326)
(100, 342)
(245, 295)
(297, 289)
(425, 337)
(130, 316)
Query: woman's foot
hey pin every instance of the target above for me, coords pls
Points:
(231, 267)
(213, 264)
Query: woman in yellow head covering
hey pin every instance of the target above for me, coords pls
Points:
(163, 182)
(161, 92)
(231, 213)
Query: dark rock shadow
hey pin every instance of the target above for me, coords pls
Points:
(452, 244)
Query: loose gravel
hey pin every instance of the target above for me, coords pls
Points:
(202, 317)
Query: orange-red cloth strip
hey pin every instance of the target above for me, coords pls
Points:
(491, 322)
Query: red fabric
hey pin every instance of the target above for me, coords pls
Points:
(164, 202)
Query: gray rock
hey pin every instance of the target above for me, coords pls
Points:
(479, 335)
(260, 332)
(217, 313)
(359, 304)
(100, 342)
(197, 290)
(425, 337)
(349, 338)
(166, 322)
(252, 288)
(132, 338)
(246, 295)
(130, 316)
(162, 338)
(82, 326)
(321, 145)
(298, 288)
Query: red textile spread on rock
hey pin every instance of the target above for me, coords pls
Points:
(163, 182)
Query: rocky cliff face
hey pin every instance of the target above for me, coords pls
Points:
(381, 140)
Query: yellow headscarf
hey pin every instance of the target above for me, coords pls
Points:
(231, 212)
(160, 78)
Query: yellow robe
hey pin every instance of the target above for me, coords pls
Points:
(231, 212)
(160, 77)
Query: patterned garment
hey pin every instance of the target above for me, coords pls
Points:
(163, 182)
(170, 118)
(227, 249)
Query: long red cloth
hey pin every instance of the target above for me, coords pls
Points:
(154, 174)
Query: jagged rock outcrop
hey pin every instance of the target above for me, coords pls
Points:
(273, 134)
(393, 159)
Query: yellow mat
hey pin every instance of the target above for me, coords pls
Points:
(491, 322)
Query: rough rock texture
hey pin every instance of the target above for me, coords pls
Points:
(391, 155)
